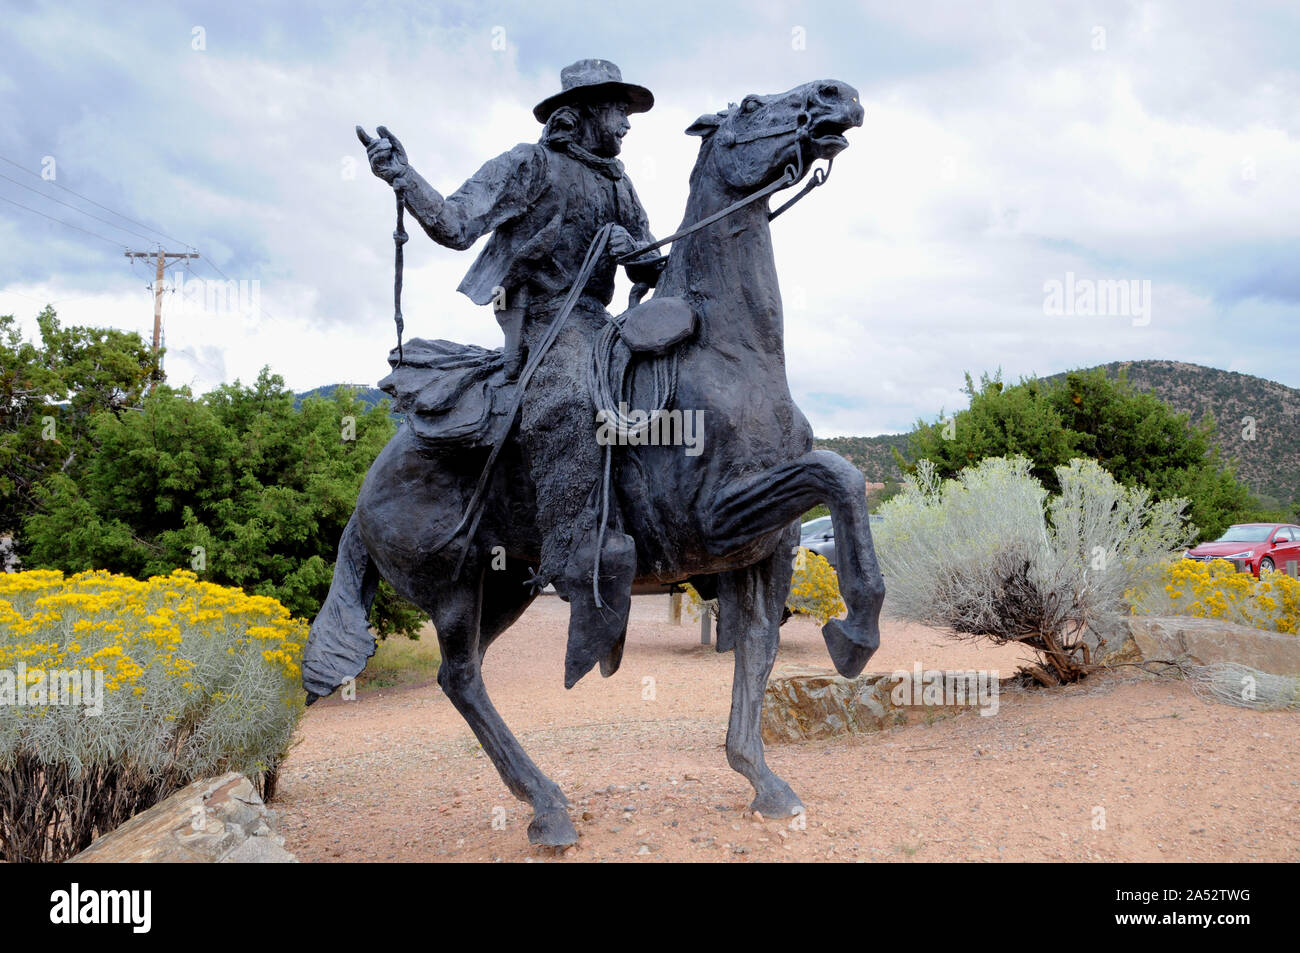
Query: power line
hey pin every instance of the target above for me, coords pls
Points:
(213, 265)
(74, 208)
(71, 300)
(62, 222)
(21, 294)
(209, 261)
(93, 202)
(86, 198)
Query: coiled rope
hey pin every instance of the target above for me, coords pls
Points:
(610, 413)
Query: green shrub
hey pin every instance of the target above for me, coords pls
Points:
(990, 554)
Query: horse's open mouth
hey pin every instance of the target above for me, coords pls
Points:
(827, 137)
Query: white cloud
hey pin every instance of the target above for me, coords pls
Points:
(1000, 150)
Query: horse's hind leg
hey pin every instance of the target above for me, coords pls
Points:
(457, 615)
(749, 616)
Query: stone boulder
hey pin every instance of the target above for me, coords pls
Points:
(804, 704)
(213, 821)
(1205, 642)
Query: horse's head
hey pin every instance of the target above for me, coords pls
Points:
(752, 143)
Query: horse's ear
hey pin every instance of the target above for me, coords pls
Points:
(706, 125)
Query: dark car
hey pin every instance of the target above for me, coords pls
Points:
(1260, 546)
(819, 536)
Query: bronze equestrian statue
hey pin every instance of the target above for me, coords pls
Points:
(498, 467)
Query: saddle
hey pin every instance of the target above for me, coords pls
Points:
(452, 395)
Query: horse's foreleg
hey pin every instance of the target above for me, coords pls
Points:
(755, 505)
(456, 615)
(749, 607)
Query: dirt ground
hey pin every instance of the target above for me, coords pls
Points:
(1120, 768)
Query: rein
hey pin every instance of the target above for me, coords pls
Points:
(473, 511)
(792, 173)
(818, 177)
(664, 368)
(399, 239)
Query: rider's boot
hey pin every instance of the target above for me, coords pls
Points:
(596, 631)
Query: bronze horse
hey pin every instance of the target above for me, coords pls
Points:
(725, 519)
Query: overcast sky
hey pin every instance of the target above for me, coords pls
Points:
(1006, 146)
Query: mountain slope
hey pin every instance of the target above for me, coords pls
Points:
(369, 396)
(1243, 407)
(1269, 463)
(872, 455)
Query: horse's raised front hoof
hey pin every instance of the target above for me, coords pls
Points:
(552, 828)
(850, 646)
(777, 800)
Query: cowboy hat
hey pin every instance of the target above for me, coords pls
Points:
(594, 80)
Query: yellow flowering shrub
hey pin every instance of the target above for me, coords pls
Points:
(1216, 590)
(814, 589)
(179, 679)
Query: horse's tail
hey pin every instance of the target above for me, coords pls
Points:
(340, 643)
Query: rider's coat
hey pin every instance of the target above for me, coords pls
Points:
(542, 207)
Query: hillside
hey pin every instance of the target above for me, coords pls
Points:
(1270, 463)
(872, 455)
(369, 396)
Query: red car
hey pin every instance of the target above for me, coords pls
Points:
(1262, 546)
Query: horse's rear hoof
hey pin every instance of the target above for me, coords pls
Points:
(777, 800)
(552, 829)
(850, 648)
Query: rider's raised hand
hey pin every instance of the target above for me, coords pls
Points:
(386, 154)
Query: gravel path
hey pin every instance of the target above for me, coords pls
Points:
(1118, 768)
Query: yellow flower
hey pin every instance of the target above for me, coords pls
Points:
(1219, 591)
(147, 636)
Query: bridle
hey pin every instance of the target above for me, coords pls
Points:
(793, 172)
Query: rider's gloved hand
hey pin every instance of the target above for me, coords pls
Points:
(620, 242)
(386, 154)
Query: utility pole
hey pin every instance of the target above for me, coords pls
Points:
(157, 295)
